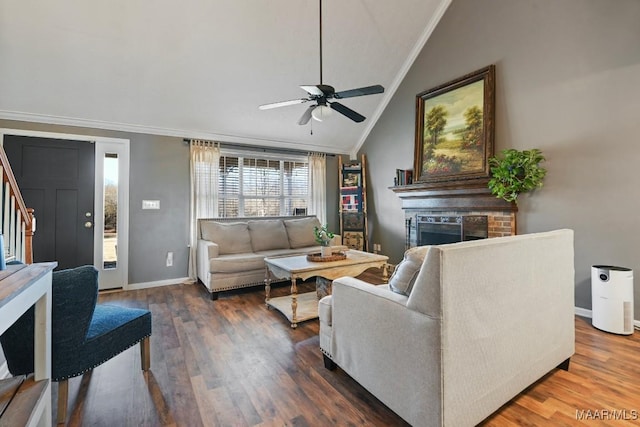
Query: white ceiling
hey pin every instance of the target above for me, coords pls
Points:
(200, 68)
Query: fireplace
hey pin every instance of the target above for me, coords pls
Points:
(452, 202)
(439, 229)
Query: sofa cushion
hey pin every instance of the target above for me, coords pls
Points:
(268, 234)
(231, 237)
(404, 276)
(236, 263)
(300, 231)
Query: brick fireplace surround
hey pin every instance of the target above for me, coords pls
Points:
(419, 199)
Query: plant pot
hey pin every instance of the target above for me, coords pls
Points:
(325, 251)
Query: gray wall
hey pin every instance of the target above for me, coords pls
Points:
(159, 170)
(567, 82)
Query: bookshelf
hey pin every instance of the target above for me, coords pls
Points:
(353, 203)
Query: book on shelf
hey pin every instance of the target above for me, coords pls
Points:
(351, 202)
(350, 190)
(351, 179)
(352, 166)
(403, 177)
(354, 239)
(352, 221)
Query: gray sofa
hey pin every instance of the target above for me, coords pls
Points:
(484, 320)
(231, 251)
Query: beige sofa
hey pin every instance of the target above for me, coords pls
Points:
(231, 251)
(484, 320)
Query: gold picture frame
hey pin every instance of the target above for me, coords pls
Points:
(455, 130)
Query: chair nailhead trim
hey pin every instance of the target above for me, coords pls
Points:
(100, 363)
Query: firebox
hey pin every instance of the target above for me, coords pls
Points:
(437, 230)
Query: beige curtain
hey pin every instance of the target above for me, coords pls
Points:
(205, 160)
(318, 186)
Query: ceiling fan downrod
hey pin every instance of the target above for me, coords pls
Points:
(320, 20)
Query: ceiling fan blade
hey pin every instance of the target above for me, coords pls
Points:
(312, 90)
(346, 111)
(368, 90)
(306, 116)
(282, 104)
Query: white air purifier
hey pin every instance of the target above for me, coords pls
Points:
(612, 299)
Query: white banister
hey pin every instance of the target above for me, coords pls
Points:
(11, 241)
(19, 239)
(5, 211)
(17, 221)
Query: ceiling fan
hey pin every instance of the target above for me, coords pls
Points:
(320, 95)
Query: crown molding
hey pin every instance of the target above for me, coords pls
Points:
(152, 130)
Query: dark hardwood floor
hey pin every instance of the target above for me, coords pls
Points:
(232, 362)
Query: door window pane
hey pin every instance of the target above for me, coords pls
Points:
(110, 237)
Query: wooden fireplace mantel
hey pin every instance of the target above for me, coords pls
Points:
(472, 197)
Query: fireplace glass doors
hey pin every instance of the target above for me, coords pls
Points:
(437, 230)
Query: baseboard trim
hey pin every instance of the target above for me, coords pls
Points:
(583, 312)
(167, 282)
(579, 311)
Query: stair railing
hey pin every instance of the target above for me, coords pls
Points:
(18, 222)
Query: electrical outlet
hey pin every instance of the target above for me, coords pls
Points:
(169, 259)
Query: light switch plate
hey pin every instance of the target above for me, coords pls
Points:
(151, 204)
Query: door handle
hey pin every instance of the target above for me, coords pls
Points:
(88, 224)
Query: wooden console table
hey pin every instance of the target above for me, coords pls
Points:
(28, 402)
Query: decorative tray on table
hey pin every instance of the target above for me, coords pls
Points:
(317, 257)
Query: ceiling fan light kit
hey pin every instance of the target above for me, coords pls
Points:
(321, 112)
(321, 94)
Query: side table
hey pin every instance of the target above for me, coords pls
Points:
(22, 286)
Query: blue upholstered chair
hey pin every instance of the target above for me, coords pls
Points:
(84, 334)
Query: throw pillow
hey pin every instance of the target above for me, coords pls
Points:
(268, 234)
(300, 232)
(231, 237)
(404, 276)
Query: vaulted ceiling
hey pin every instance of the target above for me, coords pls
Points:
(200, 68)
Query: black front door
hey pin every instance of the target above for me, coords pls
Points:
(56, 178)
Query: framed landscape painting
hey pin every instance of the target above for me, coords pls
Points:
(454, 129)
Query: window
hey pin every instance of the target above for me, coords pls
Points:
(110, 203)
(251, 185)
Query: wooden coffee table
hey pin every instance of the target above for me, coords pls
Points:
(300, 307)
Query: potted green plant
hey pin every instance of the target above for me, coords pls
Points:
(323, 237)
(516, 172)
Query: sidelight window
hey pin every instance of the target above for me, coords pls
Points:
(110, 229)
